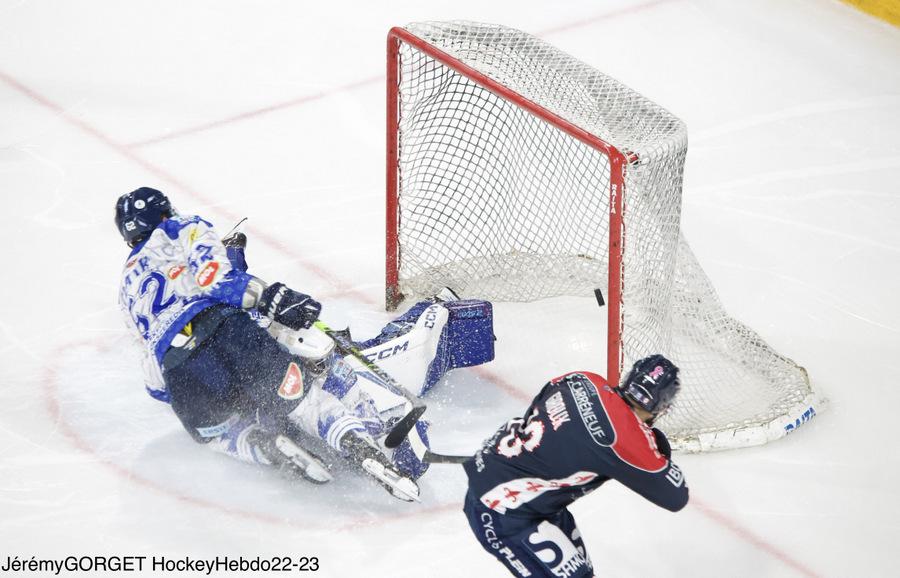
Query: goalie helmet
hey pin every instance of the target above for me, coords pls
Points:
(139, 212)
(651, 384)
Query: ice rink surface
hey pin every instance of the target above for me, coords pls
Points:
(275, 111)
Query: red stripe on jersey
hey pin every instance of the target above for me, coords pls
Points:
(635, 444)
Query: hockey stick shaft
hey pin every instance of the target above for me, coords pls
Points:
(402, 428)
(347, 347)
(436, 458)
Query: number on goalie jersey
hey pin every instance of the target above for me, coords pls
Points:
(577, 434)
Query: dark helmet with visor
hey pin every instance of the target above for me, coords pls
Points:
(139, 212)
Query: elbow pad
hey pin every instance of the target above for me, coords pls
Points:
(253, 293)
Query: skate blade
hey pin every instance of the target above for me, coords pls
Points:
(400, 487)
(310, 467)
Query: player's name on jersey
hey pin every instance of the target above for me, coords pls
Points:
(556, 410)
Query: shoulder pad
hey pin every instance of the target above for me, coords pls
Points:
(596, 379)
(176, 224)
(635, 444)
(589, 406)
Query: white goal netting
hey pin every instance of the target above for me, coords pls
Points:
(499, 201)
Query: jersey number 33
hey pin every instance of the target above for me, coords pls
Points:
(521, 435)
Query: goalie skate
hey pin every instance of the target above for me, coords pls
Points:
(369, 458)
(302, 462)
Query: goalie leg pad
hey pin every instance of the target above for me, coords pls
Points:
(467, 339)
(470, 332)
(399, 326)
(410, 348)
(431, 339)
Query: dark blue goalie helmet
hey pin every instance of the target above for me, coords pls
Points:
(139, 212)
(652, 384)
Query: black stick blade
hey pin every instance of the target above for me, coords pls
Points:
(402, 428)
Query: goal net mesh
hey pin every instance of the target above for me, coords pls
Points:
(499, 204)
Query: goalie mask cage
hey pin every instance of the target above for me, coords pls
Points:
(516, 172)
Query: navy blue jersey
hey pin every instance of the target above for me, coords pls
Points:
(576, 434)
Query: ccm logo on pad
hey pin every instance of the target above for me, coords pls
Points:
(292, 384)
(208, 274)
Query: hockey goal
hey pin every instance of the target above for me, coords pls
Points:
(516, 172)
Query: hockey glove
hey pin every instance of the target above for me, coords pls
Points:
(288, 307)
(662, 443)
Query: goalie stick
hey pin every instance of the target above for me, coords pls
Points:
(402, 428)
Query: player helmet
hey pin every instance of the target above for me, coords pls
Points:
(139, 212)
(651, 384)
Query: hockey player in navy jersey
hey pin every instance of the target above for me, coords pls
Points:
(578, 433)
(248, 375)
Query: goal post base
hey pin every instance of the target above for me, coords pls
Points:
(392, 298)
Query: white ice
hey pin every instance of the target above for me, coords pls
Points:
(791, 205)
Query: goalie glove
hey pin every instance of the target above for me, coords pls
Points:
(662, 443)
(288, 307)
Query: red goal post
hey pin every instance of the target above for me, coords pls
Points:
(617, 160)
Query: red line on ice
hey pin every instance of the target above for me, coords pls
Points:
(50, 386)
(732, 526)
(167, 177)
(339, 286)
(627, 10)
(256, 112)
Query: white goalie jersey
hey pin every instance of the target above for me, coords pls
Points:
(181, 269)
